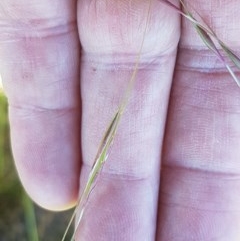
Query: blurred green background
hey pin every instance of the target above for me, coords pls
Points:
(20, 219)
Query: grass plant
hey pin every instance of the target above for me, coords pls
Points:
(30, 218)
(4, 137)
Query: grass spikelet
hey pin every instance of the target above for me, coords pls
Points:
(208, 35)
(106, 142)
(207, 40)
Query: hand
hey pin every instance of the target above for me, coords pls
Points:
(189, 140)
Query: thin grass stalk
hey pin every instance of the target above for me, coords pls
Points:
(107, 140)
(233, 57)
(30, 218)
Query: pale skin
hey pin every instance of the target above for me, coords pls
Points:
(173, 173)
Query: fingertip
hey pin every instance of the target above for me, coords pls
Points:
(51, 191)
(46, 150)
(53, 196)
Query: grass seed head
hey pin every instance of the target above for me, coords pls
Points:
(208, 36)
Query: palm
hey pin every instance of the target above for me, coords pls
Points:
(199, 170)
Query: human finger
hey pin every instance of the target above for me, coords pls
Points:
(39, 59)
(199, 195)
(123, 204)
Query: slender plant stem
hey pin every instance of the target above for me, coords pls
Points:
(30, 218)
(107, 140)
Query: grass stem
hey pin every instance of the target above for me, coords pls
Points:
(107, 140)
(30, 218)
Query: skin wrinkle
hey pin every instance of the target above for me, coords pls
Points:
(199, 196)
(202, 60)
(125, 61)
(20, 32)
(30, 10)
(107, 186)
(116, 176)
(198, 209)
(191, 204)
(28, 111)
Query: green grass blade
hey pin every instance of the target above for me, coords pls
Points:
(30, 218)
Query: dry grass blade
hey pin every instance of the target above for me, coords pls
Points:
(97, 166)
(232, 73)
(186, 14)
(206, 34)
(177, 9)
(98, 163)
(106, 142)
(230, 53)
(235, 59)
